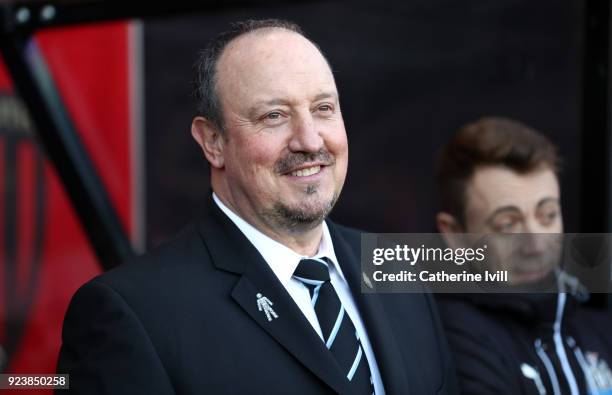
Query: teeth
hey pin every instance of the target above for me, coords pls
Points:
(306, 172)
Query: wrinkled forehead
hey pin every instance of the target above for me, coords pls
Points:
(273, 62)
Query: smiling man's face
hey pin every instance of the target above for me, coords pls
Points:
(285, 151)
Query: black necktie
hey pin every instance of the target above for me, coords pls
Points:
(339, 333)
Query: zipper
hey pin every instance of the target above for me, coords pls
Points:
(560, 349)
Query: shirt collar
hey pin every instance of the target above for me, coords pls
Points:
(282, 260)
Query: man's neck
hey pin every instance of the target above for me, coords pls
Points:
(305, 242)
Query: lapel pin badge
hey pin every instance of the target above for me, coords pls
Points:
(367, 280)
(264, 304)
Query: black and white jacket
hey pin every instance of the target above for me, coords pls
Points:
(528, 344)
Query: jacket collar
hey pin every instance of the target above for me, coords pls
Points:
(531, 308)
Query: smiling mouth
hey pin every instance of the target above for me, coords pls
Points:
(309, 171)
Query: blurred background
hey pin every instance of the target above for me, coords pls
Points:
(97, 161)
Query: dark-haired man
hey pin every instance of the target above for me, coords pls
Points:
(262, 297)
(498, 176)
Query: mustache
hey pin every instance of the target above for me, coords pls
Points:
(295, 159)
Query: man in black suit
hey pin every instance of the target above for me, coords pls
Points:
(262, 297)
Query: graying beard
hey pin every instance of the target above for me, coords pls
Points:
(296, 220)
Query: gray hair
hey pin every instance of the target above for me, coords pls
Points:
(205, 67)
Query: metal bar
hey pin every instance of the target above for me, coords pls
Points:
(58, 136)
(27, 16)
(11, 240)
(596, 139)
(595, 136)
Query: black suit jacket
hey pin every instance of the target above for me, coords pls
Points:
(184, 320)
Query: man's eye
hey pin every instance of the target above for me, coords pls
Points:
(325, 108)
(505, 226)
(548, 218)
(273, 115)
(508, 225)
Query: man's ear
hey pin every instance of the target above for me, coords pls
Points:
(447, 223)
(449, 227)
(210, 140)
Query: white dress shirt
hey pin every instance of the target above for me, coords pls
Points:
(283, 261)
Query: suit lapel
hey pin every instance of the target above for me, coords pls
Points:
(290, 329)
(231, 251)
(382, 338)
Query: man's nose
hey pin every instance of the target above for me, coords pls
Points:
(305, 135)
(534, 243)
(535, 238)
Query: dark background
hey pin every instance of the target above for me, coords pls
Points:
(409, 74)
